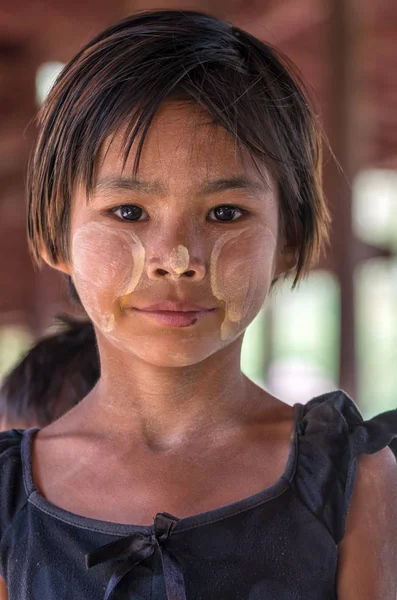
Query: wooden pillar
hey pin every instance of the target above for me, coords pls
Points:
(343, 127)
(17, 106)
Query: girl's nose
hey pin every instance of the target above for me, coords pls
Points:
(176, 265)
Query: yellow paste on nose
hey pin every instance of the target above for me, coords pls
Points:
(179, 259)
(233, 310)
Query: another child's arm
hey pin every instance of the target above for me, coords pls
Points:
(3, 590)
(368, 552)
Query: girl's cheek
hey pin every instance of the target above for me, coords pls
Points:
(107, 267)
(241, 273)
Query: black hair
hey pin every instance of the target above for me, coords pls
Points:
(53, 376)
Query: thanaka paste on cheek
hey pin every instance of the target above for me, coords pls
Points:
(220, 291)
(238, 260)
(179, 259)
(138, 254)
(106, 259)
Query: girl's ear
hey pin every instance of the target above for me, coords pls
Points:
(60, 266)
(286, 260)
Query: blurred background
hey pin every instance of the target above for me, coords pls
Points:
(339, 327)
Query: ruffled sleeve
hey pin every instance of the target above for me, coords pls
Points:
(331, 435)
(12, 491)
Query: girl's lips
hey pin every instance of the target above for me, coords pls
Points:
(174, 318)
(174, 306)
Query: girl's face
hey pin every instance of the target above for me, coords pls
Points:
(196, 231)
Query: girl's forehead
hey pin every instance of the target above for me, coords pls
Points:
(182, 141)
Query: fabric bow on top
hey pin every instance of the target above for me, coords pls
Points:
(137, 547)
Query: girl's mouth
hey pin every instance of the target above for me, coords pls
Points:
(175, 318)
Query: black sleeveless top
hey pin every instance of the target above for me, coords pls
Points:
(279, 543)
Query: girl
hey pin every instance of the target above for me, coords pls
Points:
(176, 176)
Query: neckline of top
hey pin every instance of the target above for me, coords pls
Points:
(181, 524)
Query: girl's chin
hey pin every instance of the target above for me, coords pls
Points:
(172, 358)
(159, 349)
(171, 340)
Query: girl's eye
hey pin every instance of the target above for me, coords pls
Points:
(226, 213)
(129, 212)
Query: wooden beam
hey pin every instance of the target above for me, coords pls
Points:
(342, 129)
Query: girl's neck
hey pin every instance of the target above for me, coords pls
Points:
(166, 406)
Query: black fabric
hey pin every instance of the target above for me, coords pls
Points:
(279, 543)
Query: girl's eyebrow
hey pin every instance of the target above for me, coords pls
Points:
(111, 183)
(234, 183)
(115, 182)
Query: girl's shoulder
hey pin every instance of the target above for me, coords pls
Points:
(13, 494)
(335, 417)
(331, 434)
